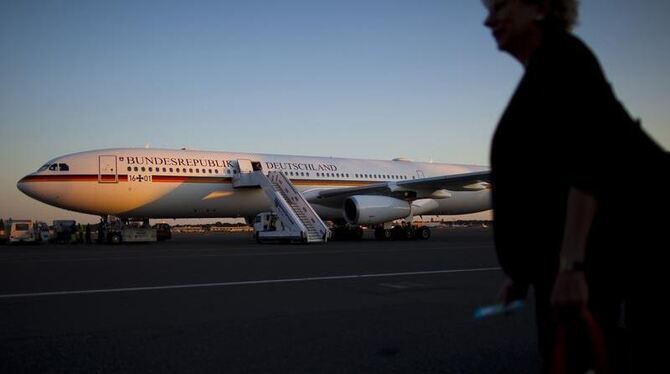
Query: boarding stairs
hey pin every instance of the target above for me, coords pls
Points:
(298, 218)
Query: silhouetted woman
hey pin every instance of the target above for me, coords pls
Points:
(568, 166)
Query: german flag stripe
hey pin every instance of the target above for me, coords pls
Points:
(185, 179)
(64, 178)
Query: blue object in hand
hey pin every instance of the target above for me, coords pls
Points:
(495, 309)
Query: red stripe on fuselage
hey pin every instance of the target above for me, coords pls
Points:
(183, 179)
(62, 178)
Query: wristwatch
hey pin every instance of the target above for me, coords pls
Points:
(567, 265)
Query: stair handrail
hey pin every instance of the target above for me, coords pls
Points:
(282, 180)
(280, 204)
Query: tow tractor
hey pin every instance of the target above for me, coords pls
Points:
(268, 227)
(130, 231)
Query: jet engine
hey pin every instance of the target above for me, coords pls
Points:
(362, 209)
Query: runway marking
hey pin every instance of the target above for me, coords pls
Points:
(243, 283)
(30, 258)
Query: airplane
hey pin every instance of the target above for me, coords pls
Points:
(164, 183)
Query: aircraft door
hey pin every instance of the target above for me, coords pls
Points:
(244, 166)
(107, 172)
(419, 174)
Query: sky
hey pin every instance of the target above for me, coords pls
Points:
(366, 79)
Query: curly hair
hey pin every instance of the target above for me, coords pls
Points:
(562, 13)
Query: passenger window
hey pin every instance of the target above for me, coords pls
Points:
(171, 170)
(143, 169)
(135, 168)
(164, 170)
(151, 169)
(129, 168)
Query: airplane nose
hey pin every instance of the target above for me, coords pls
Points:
(33, 186)
(21, 185)
(24, 186)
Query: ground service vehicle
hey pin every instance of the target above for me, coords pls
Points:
(131, 232)
(22, 231)
(163, 231)
(268, 227)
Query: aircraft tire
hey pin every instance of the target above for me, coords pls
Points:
(358, 233)
(424, 233)
(383, 234)
(115, 238)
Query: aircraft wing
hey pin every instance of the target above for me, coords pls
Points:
(474, 181)
(406, 189)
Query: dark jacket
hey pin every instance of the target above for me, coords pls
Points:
(564, 127)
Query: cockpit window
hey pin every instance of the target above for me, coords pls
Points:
(63, 167)
(43, 167)
(53, 167)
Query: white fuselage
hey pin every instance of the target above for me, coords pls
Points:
(161, 183)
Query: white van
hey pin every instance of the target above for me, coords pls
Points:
(22, 231)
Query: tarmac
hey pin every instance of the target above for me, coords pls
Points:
(220, 302)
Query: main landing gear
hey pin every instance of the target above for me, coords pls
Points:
(402, 232)
(347, 232)
(382, 232)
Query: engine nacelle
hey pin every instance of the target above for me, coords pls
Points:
(363, 210)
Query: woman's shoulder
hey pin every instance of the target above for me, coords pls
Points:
(570, 45)
(566, 55)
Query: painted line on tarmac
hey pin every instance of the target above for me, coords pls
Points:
(34, 259)
(242, 283)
